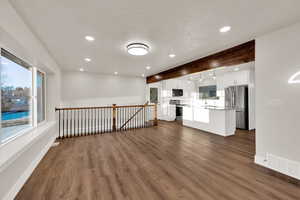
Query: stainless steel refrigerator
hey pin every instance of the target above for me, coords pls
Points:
(237, 97)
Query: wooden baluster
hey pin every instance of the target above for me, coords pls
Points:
(67, 134)
(126, 115)
(118, 119)
(98, 120)
(129, 124)
(59, 124)
(134, 118)
(102, 123)
(114, 118)
(106, 121)
(74, 123)
(143, 117)
(111, 120)
(91, 122)
(85, 121)
(63, 131)
(81, 122)
(78, 122)
(147, 110)
(155, 115)
(95, 121)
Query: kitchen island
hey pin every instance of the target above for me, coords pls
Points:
(217, 120)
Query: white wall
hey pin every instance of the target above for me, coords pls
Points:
(88, 89)
(277, 102)
(16, 167)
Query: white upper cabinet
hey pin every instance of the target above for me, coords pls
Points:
(232, 79)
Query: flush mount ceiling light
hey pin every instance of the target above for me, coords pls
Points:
(143, 75)
(148, 67)
(81, 69)
(137, 49)
(89, 38)
(87, 59)
(116, 73)
(172, 55)
(225, 29)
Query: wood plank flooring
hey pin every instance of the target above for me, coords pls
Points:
(164, 162)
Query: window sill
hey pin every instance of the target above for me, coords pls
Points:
(13, 148)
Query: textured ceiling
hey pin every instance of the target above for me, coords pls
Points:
(189, 29)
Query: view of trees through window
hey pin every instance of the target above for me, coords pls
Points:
(16, 92)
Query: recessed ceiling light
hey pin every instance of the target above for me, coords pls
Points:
(87, 59)
(143, 75)
(225, 29)
(116, 73)
(89, 38)
(138, 49)
(148, 67)
(81, 69)
(157, 76)
(172, 55)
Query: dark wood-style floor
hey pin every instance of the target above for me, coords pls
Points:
(164, 162)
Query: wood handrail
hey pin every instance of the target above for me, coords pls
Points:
(81, 108)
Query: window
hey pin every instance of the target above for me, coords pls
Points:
(40, 86)
(17, 102)
(153, 95)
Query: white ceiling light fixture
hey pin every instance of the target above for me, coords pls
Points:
(89, 38)
(148, 67)
(81, 69)
(225, 29)
(88, 59)
(214, 76)
(172, 55)
(116, 73)
(200, 78)
(138, 49)
(143, 75)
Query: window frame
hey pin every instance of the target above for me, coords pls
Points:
(45, 96)
(33, 107)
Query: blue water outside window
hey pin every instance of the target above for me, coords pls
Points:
(16, 98)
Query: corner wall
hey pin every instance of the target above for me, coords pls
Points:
(277, 101)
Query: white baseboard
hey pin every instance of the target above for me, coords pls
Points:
(27, 173)
(279, 164)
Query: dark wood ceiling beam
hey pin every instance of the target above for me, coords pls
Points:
(240, 54)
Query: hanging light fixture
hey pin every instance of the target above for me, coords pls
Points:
(214, 76)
